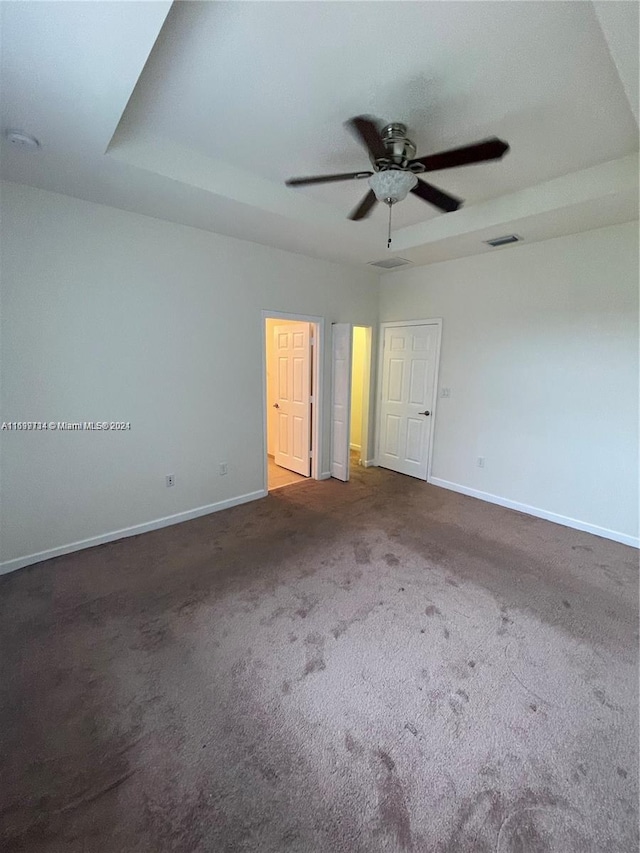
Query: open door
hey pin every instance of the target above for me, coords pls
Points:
(292, 343)
(340, 399)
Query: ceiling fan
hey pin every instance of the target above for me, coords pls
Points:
(395, 166)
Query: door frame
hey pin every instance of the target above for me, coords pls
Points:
(317, 364)
(435, 321)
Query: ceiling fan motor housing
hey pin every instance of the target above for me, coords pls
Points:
(399, 147)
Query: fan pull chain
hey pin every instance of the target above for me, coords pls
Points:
(389, 237)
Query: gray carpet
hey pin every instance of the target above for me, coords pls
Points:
(378, 666)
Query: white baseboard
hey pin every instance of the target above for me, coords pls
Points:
(565, 520)
(326, 475)
(369, 463)
(355, 447)
(156, 524)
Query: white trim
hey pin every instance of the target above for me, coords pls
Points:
(317, 356)
(146, 527)
(355, 447)
(368, 463)
(565, 520)
(326, 475)
(436, 321)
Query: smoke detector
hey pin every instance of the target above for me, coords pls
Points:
(22, 140)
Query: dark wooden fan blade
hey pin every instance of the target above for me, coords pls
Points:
(365, 206)
(326, 179)
(364, 128)
(427, 192)
(489, 149)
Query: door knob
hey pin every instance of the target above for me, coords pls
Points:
(276, 405)
(424, 413)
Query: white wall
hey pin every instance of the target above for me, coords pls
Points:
(115, 316)
(108, 315)
(540, 351)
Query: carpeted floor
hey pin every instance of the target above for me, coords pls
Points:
(378, 666)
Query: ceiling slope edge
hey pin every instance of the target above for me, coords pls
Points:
(186, 166)
(593, 185)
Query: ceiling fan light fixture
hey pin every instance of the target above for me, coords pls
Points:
(392, 156)
(392, 185)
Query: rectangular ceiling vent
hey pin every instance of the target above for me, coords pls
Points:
(504, 241)
(389, 263)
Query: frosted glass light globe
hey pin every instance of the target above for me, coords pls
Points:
(392, 184)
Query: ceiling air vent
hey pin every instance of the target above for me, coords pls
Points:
(389, 263)
(504, 241)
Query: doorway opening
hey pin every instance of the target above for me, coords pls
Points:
(292, 398)
(350, 398)
(360, 394)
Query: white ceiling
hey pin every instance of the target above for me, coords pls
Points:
(234, 97)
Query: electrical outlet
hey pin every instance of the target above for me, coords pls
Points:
(223, 468)
(445, 392)
(170, 480)
(480, 462)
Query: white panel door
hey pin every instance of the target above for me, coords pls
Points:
(408, 377)
(292, 342)
(342, 335)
